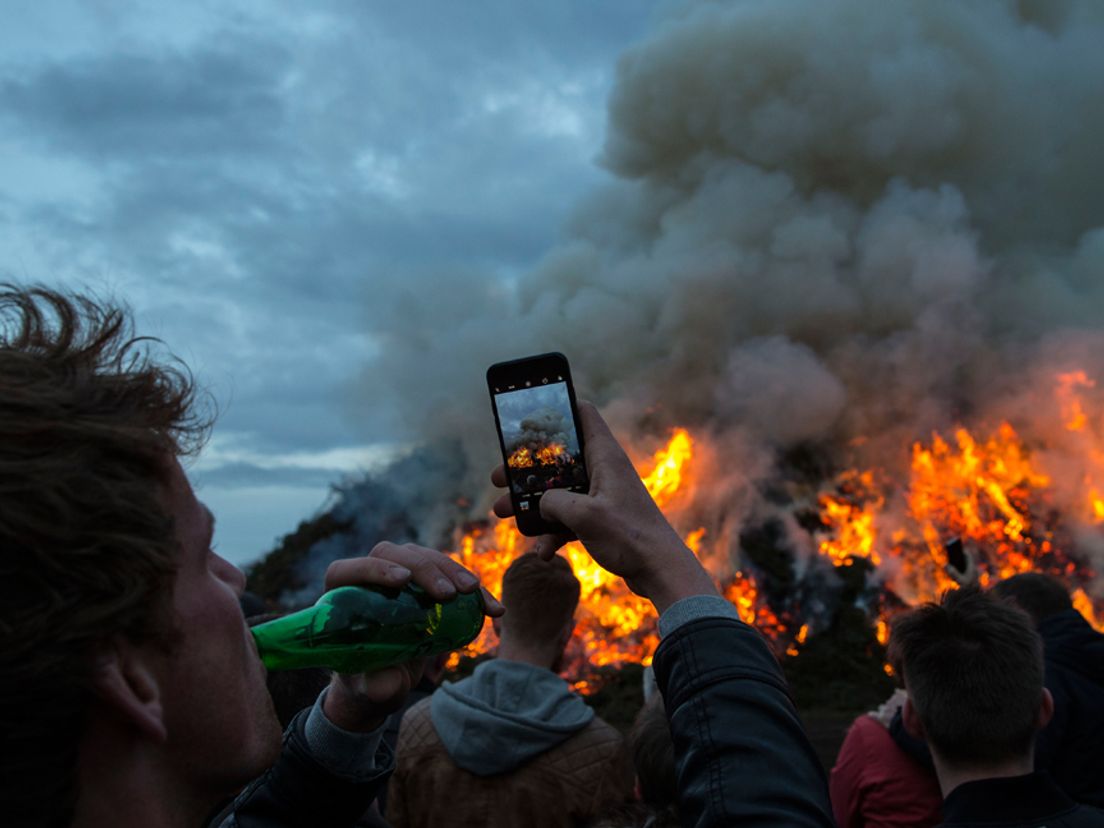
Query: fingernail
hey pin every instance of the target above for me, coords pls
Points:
(445, 585)
(467, 580)
(399, 572)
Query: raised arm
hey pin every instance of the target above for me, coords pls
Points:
(742, 756)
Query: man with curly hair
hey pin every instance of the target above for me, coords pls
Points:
(131, 692)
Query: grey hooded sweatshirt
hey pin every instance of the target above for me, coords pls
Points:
(505, 714)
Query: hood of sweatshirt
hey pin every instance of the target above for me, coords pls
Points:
(505, 714)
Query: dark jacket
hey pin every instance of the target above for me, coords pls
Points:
(297, 792)
(1071, 747)
(742, 756)
(1031, 801)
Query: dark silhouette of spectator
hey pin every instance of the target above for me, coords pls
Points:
(511, 744)
(973, 669)
(653, 756)
(1071, 747)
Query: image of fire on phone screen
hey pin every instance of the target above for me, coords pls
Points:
(542, 446)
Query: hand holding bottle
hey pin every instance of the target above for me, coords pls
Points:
(361, 702)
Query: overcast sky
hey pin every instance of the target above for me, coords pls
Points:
(261, 180)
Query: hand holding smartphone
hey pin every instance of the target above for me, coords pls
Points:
(956, 555)
(542, 445)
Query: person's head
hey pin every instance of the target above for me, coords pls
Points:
(117, 622)
(973, 668)
(540, 599)
(1040, 596)
(653, 755)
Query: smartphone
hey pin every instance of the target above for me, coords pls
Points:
(956, 555)
(538, 430)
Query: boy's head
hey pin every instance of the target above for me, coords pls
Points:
(1040, 596)
(540, 599)
(973, 667)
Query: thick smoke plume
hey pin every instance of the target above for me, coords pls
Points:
(539, 429)
(841, 224)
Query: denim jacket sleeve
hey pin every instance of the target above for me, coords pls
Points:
(742, 756)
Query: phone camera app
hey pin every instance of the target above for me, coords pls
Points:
(542, 447)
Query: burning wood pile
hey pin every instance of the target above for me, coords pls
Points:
(985, 486)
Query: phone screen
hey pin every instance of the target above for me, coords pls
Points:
(534, 406)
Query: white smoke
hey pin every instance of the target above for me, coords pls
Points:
(828, 220)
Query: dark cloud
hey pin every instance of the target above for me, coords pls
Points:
(277, 191)
(140, 107)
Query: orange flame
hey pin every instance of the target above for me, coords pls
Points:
(1073, 412)
(665, 478)
(520, 459)
(988, 491)
(550, 454)
(1084, 605)
(613, 626)
(852, 523)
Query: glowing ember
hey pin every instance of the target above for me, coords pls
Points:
(799, 639)
(881, 631)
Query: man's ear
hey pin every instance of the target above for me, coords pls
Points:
(1046, 710)
(126, 684)
(913, 726)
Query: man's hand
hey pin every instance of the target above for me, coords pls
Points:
(618, 522)
(968, 577)
(362, 702)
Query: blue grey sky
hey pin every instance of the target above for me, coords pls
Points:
(263, 182)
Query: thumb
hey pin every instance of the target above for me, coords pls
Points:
(567, 508)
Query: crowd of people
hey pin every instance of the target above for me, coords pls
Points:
(132, 694)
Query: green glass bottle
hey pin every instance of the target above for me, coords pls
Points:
(361, 629)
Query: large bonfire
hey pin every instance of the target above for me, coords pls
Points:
(984, 488)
